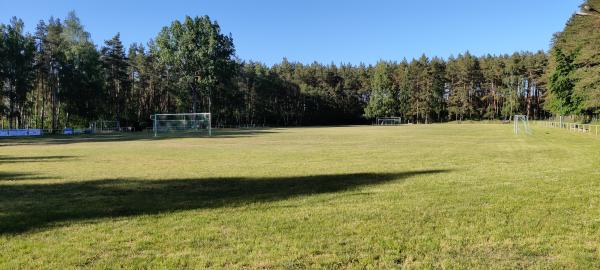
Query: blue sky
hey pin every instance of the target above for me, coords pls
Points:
(336, 31)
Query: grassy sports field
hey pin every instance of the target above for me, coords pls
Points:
(436, 196)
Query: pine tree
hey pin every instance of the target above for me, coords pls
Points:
(577, 43)
(419, 88)
(42, 65)
(404, 84)
(57, 60)
(562, 100)
(464, 76)
(493, 73)
(384, 96)
(116, 76)
(3, 58)
(18, 69)
(201, 57)
(437, 81)
(80, 74)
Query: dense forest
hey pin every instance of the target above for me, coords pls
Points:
(574, 67)
(57, 77)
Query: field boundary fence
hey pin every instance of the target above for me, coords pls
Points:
(572, 127)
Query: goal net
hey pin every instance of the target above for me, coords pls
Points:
(521, 124)
(389, 121)
(181, 122)
(103, 126)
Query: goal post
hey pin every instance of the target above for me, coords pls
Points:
(388, 121)
(521, 124)
(181, 122)
(105, 126)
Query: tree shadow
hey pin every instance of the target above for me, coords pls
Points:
(134, 136)
(16, 176)
(13, 159)
(29, 207)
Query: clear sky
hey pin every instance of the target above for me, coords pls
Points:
(326, 31)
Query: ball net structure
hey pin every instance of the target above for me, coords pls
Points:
(181, 122)
(388, 121)
(521, 124)
(103, 126)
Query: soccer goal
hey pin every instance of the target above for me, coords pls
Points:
(181, 122)
(521, 123)
(389, 121)
(103, 126)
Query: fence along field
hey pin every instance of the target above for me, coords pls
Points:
(416, 196)
(574, 127)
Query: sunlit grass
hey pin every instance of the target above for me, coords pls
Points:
(437, 196)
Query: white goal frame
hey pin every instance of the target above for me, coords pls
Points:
(183, 122)
(105, 126)
(521, 120)
(388, 121)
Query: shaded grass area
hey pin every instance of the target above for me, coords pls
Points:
(124, 137)
(16, 176)
(436, 196)
(33, 206)
(10, 159)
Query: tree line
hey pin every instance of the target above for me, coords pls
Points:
(574, 67)
(57, 77)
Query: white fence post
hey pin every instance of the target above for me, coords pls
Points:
(574, 127)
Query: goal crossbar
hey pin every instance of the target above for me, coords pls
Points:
(105, 126)
(388, 121)
(177, 114)
(165, 122)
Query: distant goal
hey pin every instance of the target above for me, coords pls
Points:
(104, 126)
(521, 125)
(181, 123)
(388, 121)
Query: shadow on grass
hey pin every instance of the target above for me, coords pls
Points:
(134, 136)
(13, 159)
(15, 176)
(37, 206)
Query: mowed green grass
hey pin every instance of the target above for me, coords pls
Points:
(437, 196)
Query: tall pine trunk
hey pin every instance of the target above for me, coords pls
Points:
(54, 104)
